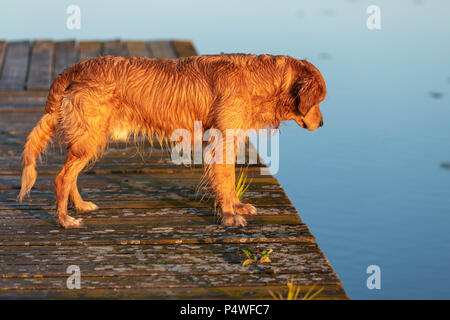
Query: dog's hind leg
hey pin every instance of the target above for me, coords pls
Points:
(79, 153)
(63, 183)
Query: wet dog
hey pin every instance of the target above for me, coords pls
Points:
(111, 98)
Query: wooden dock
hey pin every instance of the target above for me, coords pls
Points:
(152, 237)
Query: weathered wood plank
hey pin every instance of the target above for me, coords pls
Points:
(143, 169)
(21, 96)
(191, 293)
(115, 264)
(14, 107)
(157, 187)
(181, 178)
(15, 66)
(172, 200)
(139, 234)
(152, 189)
(162, 49)
(2, 53)
(66, 54)
(137, 49)
(13, 226)
(114, 48)
(184, 48)
(41, 65)
(90, 49)
(150, 253)
(181, 276)
(152, 281)
(22, 215)
(9, 123)
(155, 162)
(108, 201)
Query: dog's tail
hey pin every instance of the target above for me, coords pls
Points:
(39, 137)
(36, 142)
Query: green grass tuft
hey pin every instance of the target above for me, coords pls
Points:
(294, 292)
(241, 183)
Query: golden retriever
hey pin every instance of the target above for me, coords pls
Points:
(113, 97)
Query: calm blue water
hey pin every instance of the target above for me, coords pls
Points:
(369, 183)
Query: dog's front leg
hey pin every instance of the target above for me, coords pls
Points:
(243, 208)
(223, 183)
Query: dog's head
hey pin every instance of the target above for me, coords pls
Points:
(307, 91)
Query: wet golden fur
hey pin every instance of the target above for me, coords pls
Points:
(115, 97)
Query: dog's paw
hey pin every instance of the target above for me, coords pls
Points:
(67, 222)
(244, 208)
(233, 220)
(86, 206)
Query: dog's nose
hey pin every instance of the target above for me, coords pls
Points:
(321, 123)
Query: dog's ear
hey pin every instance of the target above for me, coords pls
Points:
(306, 91)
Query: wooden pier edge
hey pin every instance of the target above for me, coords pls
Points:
(153, 237)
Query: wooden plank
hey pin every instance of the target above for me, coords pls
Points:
(139, 234)
(148, 164)
(19, 95)
(66, 54)
(90, 49)
(103, 260)
(162, 49)
(114, 48)
(20, 108)
(163, 179)
(151, 280)
(15, 66)
(112, 219)
(2, 53)
(192, 293)
(137, 49)
(156, 186)
(172, 201)
(147, 253)
(41, 65)
(180, 276)
(184, 48)
(8, 121)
